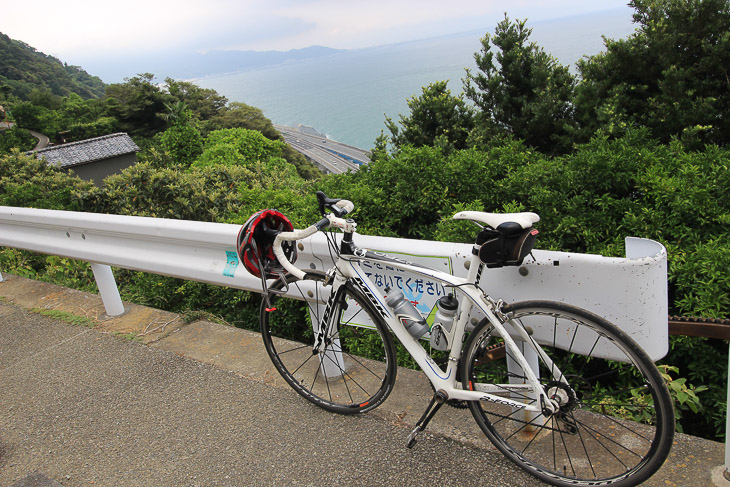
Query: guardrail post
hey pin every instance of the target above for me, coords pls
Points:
(108, 289)
(1, 277)
(726, 471)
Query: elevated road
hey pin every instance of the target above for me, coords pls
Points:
(329, 155)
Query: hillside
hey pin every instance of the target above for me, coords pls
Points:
(23, 69)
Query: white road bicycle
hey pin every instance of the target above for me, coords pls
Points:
(561, 392)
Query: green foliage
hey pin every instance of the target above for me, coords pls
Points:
(138, 105)
(182, 144)
(16, 138)
(526, 94)
(23, 70)
(240, 115)
(203, 103)
(34, 117)
(75, 118)
(701, 279)
(204, 194)
(89, 130)
(20, 262)
(671, 75)
(703, 362)
(29, 182)
(436, 118)
(238, 146)
(684, 394)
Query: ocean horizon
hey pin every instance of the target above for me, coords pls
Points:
(348, 95)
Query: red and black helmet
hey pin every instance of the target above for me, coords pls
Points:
(255, 244)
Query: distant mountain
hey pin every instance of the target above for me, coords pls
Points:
(22, 69)
(217, 62)
(189, 65)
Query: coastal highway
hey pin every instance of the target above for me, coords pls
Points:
(328, 155)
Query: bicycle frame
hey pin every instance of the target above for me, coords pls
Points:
(547, 413)
(348, 268)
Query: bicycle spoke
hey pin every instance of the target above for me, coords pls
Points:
(338, 380)
(591, 438)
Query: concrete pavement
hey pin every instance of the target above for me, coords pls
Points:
(200, 404)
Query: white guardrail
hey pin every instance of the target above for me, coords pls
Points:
(631, 292)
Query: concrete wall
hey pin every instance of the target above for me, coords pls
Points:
(97, 171)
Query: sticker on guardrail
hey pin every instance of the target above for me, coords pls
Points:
(420, 291)
(231, 263)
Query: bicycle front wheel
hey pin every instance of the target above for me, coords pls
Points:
(615, 422)
(341, 358)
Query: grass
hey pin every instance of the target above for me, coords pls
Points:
(69, 318)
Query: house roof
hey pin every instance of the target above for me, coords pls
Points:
(90, 150)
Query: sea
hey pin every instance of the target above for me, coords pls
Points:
(347, 96)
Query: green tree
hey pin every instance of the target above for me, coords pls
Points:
(181, 144)
(240, 115)
(177, 113)
(203, 103)
(23, 70)
(43, 97)
(437, 118)
(238, 147)
(139, 105)
(16, 138)
(30, 182)
(526, 93)
(28, 115)
(672, 75)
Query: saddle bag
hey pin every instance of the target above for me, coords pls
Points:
(507, 247)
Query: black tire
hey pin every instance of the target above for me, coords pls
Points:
(360, 361)
(612, 428)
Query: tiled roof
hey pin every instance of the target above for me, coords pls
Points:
(90, 150)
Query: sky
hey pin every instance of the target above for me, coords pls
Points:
(76, 30)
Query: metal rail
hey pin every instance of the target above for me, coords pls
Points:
(699, 327)
(631, 292)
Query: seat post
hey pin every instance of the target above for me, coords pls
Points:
(475, 265)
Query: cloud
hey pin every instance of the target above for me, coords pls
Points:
(92, 27)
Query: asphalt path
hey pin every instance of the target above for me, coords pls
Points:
(200, 404)
(84, 408)
(43, 140)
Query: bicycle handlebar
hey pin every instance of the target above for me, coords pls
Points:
(339, 208)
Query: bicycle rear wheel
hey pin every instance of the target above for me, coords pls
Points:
(615, 424)
(349, 367)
